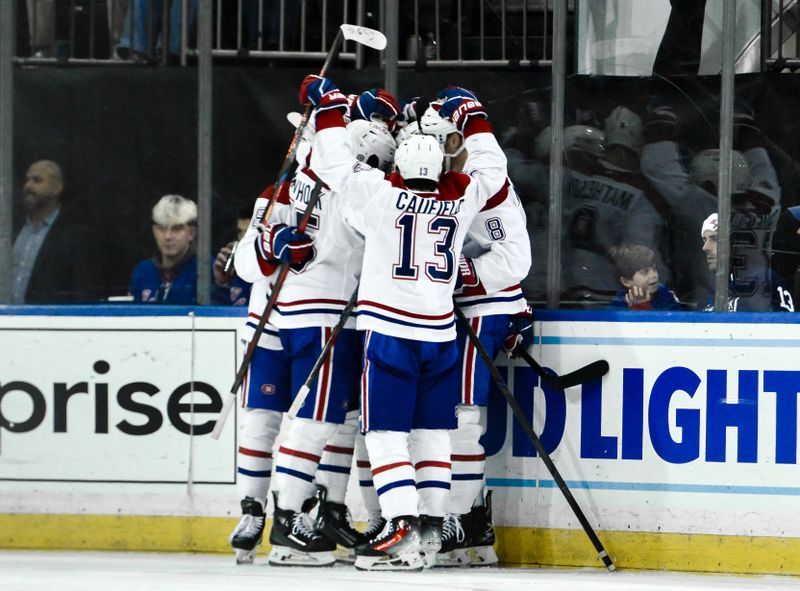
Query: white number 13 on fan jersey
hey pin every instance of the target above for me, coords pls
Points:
(439, 268)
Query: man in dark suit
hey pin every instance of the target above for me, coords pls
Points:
(55, 260)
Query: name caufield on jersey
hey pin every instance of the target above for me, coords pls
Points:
(415, 204)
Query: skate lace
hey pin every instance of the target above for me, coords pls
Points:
(302, 526)
(250, 525)
(374, 525)
(452, 528)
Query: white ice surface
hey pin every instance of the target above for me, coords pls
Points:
(118, 571)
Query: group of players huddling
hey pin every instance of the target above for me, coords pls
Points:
(416, 212)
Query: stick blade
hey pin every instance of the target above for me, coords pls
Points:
(369, 37)
(587, 373)
(294, 118)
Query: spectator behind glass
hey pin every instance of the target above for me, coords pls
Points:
(55, 260)
(639, 278)
(781, 298)
(785, 261)
(230, 289)
(147, 43)
(170, 276)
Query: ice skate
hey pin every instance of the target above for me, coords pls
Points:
(334, 521)
(430, 538)
(481, 536)
(454, 542)
(396, 547)
(295, 542)
(247, 536)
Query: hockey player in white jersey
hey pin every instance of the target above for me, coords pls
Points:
(414, 225)
(267, 388)
(318, 447)
(496, 257)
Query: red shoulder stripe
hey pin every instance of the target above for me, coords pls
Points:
(498, 198)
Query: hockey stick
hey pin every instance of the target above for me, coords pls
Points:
(369, 37)
(302, 393)
(587, 373)
(526, 426)
(262, 322)
(375, 40)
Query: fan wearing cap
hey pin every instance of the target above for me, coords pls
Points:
(781, 298)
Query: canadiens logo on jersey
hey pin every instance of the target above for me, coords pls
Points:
(268, 389)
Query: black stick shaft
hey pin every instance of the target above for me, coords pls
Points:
(273, 296)
(526, 426)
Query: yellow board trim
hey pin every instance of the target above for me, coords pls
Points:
(515, 546)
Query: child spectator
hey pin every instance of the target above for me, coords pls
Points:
(636, 265)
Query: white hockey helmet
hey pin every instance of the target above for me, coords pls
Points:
(409, 130)
(431, 123)
(372, 143)
(623, 127)
(585, 138)
(419, 157)
(704, 168)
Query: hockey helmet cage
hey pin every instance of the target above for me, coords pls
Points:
(419, 157)
(372, 143)
(409, 130)
(704, 168)
(623, 127)
(585, 138)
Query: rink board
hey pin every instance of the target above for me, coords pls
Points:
(683, 457)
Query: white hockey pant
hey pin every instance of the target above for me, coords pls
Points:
(297, 460)
(364, 473)
(430, 452)
(468, 458)
(337, 458)
(257, 435)
(410, 472)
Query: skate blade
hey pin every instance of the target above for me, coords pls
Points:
(281, 556)
(454, 559)
(405, 561)
(483, 556)
(245, 556)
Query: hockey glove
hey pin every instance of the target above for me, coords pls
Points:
(520, 333)
(375, 104)
(407, 112)
(283, 243)
(322, 93)
(459, 105)
(662, 124)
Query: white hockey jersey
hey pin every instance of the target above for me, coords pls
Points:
(248, 267)
(317, 294)
(498, 244)
(413, 240)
